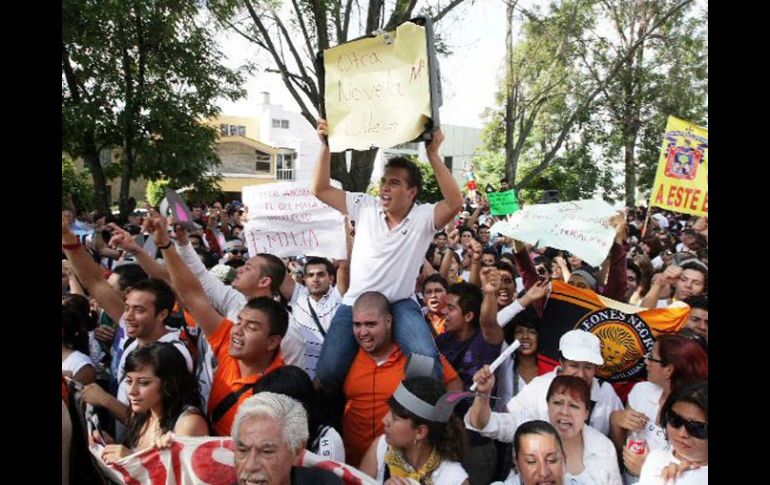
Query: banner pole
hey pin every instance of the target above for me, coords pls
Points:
(646, 220)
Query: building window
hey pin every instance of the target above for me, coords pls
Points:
(285, 166)
(105, 157)
(281, 124)
(448, 162)
(263, 161)
(276, 123)
(232, 130)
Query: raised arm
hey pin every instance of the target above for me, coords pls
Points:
(476, 252)
(526, 269)
(322, 187)
(616, 279)
(122, 238)
(187, 286)
(669, 277)
(90, 274)
(453, 198)
(490, 284)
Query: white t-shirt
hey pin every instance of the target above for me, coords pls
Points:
(659, 459)
(76, 361)
(645, 398)
(387, 260)
(302, 320)
(447, 473)
(330, 445)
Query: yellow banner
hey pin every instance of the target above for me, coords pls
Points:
(377, 90)
(682, 180)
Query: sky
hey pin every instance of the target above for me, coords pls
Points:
(475, 32)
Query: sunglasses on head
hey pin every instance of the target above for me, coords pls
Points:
(696, 429)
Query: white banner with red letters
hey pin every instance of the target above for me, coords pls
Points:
(201, 461)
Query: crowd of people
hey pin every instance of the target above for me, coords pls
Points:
(173, 329)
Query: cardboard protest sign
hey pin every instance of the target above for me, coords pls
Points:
(286, 219)
(381, 91)
(201, 461)
(681, 183)
(581, 227)
(503, 203)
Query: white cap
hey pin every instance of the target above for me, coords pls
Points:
(581, 346)
(662, 221)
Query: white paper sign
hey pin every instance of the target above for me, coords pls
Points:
(286, 219)
(581, 227)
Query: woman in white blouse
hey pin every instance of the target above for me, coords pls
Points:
(591, 456)
(685, 419)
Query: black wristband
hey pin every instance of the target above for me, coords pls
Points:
(166, 246)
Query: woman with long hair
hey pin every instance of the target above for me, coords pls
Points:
(685, 417)
(422, 441)
(674, 362)
(76, 321)
(164, 399)
(590, 456)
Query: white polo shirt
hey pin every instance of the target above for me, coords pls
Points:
(387, 260)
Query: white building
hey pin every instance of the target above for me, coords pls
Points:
(288, 129)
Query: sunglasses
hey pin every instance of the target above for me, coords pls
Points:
(653, 359)
(696, 429)
(238, 251)
(541, 271)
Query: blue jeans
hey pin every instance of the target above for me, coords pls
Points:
(340, 347)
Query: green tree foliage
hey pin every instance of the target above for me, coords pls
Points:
(550, 124)
(667, 75)
(293, 33)
(156, 191)
(142, 77)
(431, 193)
(76, 189)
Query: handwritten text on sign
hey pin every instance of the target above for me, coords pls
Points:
(581, 227)
(377, 92)
(285, 219)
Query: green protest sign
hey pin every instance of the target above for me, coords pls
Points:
(503, 203)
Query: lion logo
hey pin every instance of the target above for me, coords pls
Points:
(623, 348)
(620, 348)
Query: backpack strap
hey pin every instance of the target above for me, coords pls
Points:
(228, 402)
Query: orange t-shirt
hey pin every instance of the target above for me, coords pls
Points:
(438, 322)
(227, 377)
(368, 388)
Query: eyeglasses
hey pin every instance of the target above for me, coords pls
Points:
(653, 359)
(696, 429)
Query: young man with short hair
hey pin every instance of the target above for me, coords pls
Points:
(392, 228)
(245, 350)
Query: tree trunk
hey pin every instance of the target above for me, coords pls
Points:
(510, 159)
(630, 161)
(101, 198)
(360, 174)
(125, 187)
